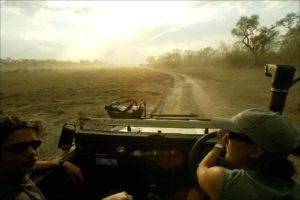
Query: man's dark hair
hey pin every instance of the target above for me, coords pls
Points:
(10, 124)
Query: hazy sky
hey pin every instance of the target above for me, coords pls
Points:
(124, 32)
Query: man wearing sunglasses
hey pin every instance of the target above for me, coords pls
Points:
(19, 142)
(257, 143)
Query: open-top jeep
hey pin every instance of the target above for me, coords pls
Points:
(150, 158)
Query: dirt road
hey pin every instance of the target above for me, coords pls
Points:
(186, 97)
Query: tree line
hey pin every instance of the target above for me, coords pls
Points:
(8, 63)
(255, 46)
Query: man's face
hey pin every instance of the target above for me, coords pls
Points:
(237, 152)
(18, 154)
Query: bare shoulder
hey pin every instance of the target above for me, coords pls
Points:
(211, 181)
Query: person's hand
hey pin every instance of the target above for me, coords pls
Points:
(73, 171)
(119, 196)
(222, 137)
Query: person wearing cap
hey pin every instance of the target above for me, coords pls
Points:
(257, 143)
(19, 143)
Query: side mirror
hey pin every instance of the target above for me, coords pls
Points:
(67, 136)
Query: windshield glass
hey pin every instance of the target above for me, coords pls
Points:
(61, 60)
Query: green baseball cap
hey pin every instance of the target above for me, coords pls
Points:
(266, 128)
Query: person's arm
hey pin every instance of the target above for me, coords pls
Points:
(119, 196)
(72, 170)
(46, 165)
(210, 176)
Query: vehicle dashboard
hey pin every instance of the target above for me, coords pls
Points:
(138, 162)
(142, 160)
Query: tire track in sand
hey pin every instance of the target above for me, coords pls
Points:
(185, 97)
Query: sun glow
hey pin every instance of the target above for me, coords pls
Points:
(110, 24)
(123, 31)
(115, 19)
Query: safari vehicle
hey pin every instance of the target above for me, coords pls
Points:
(150, 157)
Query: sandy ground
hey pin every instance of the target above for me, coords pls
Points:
(234, 89)
(186, 97)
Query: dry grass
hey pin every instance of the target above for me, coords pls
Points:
(61, 96)
(236, 89)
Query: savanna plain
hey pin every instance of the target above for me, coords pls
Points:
(59, 96)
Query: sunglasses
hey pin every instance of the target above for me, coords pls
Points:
(23, 146)
(240, 137)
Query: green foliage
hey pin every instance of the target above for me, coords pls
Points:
(258, 40)
(290, 21)
(171, 60)
(236, 56)
(256, 46)
(289, 50)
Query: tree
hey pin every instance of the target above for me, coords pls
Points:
(189, 58)
(171, 59)
(289, 49)
(151, 61)
(258, 40)
(290, 21)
